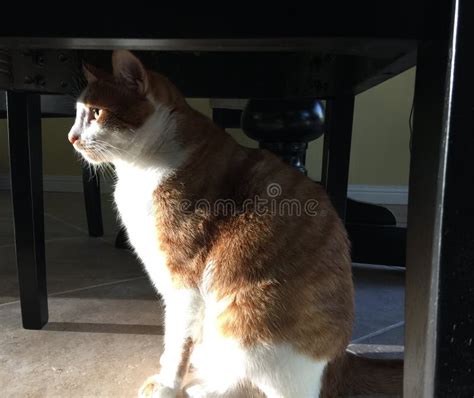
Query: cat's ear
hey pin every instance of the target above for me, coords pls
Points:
(128, 68)
(91, 73)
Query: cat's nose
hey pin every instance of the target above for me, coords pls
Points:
(72, 137)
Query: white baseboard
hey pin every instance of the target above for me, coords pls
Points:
(382, 194)
(59, 184)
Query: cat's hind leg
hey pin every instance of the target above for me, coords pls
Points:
(279, 371)
(227, 369)
(219, 370)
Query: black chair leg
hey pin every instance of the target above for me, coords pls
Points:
(24, 132)
(91, 185)
(337, 150)
(439, 336)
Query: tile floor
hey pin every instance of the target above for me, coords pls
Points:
(105, 331)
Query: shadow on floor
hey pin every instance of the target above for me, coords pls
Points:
(114, 328)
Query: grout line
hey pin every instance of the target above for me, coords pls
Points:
(378, 332)
(378, 267)
(77, 228)
(367, 349)
(98, 285)
(66, 223)
(82, 288)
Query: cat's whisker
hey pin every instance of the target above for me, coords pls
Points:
(107, 145)
(104, 167)
(107, 171)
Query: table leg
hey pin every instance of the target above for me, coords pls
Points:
(24, 132)
(439, 342)
(91, 186)
(337, 149)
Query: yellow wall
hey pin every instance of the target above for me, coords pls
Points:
(380, 144)
(380, 152)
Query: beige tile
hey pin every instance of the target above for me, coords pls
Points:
(96, 345)
(72, 263)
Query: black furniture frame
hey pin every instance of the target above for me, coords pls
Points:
(353, 53)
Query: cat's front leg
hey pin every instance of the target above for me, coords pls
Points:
(183, 315)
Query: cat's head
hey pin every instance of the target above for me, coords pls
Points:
(124, 115)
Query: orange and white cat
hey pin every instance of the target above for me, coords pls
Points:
(253, 294)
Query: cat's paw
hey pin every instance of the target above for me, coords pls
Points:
(196, 391)
(152, 388)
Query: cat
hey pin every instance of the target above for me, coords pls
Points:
(254, 293)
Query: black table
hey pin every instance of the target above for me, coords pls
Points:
(334, 57)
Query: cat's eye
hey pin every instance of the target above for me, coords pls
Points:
(96, 112)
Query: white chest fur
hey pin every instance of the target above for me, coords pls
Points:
(134, 199)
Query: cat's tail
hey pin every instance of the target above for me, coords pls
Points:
(353, 375)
